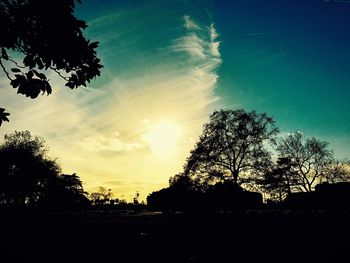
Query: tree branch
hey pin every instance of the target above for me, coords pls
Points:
(59, 73)
(15, 62)
(4, 69)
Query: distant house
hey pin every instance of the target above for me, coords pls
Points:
(222, 196)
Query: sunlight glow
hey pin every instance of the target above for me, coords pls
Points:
(163, 138)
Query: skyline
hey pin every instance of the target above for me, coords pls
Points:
(169, 64)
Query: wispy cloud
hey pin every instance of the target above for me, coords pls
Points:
(199, 44)
(190, 24)
(113, 143)
(192, 44)
(214, 45)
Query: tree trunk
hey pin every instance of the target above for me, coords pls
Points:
(235, 176)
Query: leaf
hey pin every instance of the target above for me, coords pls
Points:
(39, 63)
(30, 74)
(3, 115)
(70, 85)
(4, 54)
(16, 70)
(15, 83)
(39, 75)
(94, 45)
(21, 89)
(82, 24)
(28, 61)
(48, 88)
(42, 76)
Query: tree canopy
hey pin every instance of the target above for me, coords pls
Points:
(232, 144)
(279, 180)
(29, 178)
(38, 36)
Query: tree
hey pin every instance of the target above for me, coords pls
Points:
(29, 178)
(103, 196)
(336, 172)
(232, 145)
(279, 180)
(41, 35)
(311, 159)
(63, 191)
(24, 167)
(3, 115)
(182, 181)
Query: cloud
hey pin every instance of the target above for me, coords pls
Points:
(190, 24)
(198, 44)
(213, 33)
(113, 143)
(191, 44)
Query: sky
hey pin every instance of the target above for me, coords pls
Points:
(169, 64)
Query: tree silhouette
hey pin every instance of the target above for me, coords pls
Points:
(29, 178)
(279, 180)
(63, 191)
(336, 172)
(24, 166)
(311, 160)
(40, 35)
(182, 181)
(3, 115)
(231, 145)
(103, 196)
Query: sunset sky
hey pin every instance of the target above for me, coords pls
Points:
(169, 64)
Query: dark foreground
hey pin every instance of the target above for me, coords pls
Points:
(249, 236)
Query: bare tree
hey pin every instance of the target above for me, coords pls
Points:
(337, 171)
(311, 158)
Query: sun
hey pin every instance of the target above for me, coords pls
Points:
(163, 138)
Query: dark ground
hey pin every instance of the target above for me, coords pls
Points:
(249, 236)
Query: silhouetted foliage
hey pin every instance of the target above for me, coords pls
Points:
(279, 180)
(28, 178)
(63, 191)
(182, 181)
(41, 35)
(102, 197)
(3, 115)
(310, 161)
(24, 169)
(231, 146)
(336, 172)
(103, 200)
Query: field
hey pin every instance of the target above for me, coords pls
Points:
(243, 236)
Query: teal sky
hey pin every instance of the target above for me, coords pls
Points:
(290, 59)
(169, 64)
